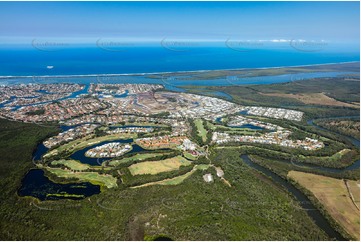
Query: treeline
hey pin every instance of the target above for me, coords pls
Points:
(129, 180)
(57, 179)
(345, 127)
(160, 115)
(328, 112)
(283, 167)
(328, 150)
(209, 131)
(166, 155)
(157, 132)
(194, 133)
(272, 152)
(196, 137)
(321, 207)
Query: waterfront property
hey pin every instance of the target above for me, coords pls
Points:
(112, 149)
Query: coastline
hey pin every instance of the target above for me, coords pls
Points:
(176, 72)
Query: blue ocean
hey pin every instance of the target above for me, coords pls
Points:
(83, 60)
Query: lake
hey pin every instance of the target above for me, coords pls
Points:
(36, 184)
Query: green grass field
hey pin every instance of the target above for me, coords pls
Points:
(71, 164)
(93, 177)
(202, 132)
(176, 180)
(189, 156)
(155, 167)
(137, 157)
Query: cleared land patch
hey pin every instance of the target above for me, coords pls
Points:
(176, 180)
(155, 167)
(334, 196)
(313, 98)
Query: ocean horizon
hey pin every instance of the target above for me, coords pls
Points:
(87, 60)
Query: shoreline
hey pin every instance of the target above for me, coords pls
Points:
(175, 72)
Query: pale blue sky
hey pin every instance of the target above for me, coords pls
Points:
(83, 21)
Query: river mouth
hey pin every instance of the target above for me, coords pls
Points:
(37, 185)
